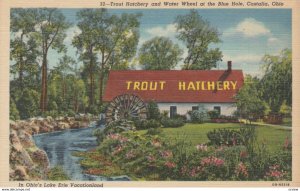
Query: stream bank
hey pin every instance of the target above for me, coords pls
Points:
(27, 161)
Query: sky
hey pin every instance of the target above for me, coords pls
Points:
(246, 34)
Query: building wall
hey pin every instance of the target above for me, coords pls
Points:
(183, 108)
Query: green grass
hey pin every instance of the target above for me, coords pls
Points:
(273, 137)
(57, 174)
(287, 122)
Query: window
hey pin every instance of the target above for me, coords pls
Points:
(195, 108)
(218, 108)
(173, 111)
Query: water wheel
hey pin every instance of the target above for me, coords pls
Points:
(126, 106)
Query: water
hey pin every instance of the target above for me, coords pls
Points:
(59, 147)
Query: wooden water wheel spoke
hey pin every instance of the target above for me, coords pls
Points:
(126, 106)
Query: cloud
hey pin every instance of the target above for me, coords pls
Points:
(71, 33)
(243, 59)
(249, 28)
(249, 63)
(275, 42)
(168, 30)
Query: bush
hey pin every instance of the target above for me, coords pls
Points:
(198, 116)
(146, 124)
(154, 131)
(213, 114)
(164, 113)
(13, 111)
(177, 122)
(57, 173)
(153, 111)
(71, 113)
(224, 137)
(152, 157)
(178, 116)
(225, 119)
(113, 127)
(273, 118)
(28, 104)
(52, 113)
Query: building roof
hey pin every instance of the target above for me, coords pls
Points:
(180, 86)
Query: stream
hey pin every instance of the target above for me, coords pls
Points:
(59, 147)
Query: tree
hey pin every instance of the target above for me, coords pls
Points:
(118, 39)
(13, 111)
(277, 80)
(198, 35)
(85, 42)
(50, 33)
(23, 47)
(28, 104)
(113, 37)
(249, 104)
(63, 69)
(159, 53)
(153, 110)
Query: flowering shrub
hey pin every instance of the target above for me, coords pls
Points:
(275, 173)
(201, 147)
(152, 157)
(241, 171)
(212, 161)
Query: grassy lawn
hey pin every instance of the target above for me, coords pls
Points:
(196, 134)
(287, 122)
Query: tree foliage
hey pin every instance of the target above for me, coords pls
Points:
(277, 80)
(23, 47)
(159, 53)
(50, 28)
(109, 39)
(198, 36)
(249, 103)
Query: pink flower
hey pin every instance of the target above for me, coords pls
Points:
(150, 158)
(156, 143)
(214, 161)
(170, 164)
(166, 154)
(241, 170)
(123, 139)
(274, 172)
(130, 155)
(183, 170)
(193, 172)
(201, 147)
(114, 136)
(117, 150)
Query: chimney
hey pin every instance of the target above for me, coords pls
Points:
(229, 65)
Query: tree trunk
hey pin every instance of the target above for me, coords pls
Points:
(63, 90)
(21, 73)
(75, 101)
(21, 67)
(43, 101)
(91, 92)
(101, 77)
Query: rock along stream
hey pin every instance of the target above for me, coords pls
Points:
(59, 147)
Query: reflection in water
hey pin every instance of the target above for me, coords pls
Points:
(59, 147)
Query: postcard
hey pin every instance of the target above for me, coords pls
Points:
(149, 94)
